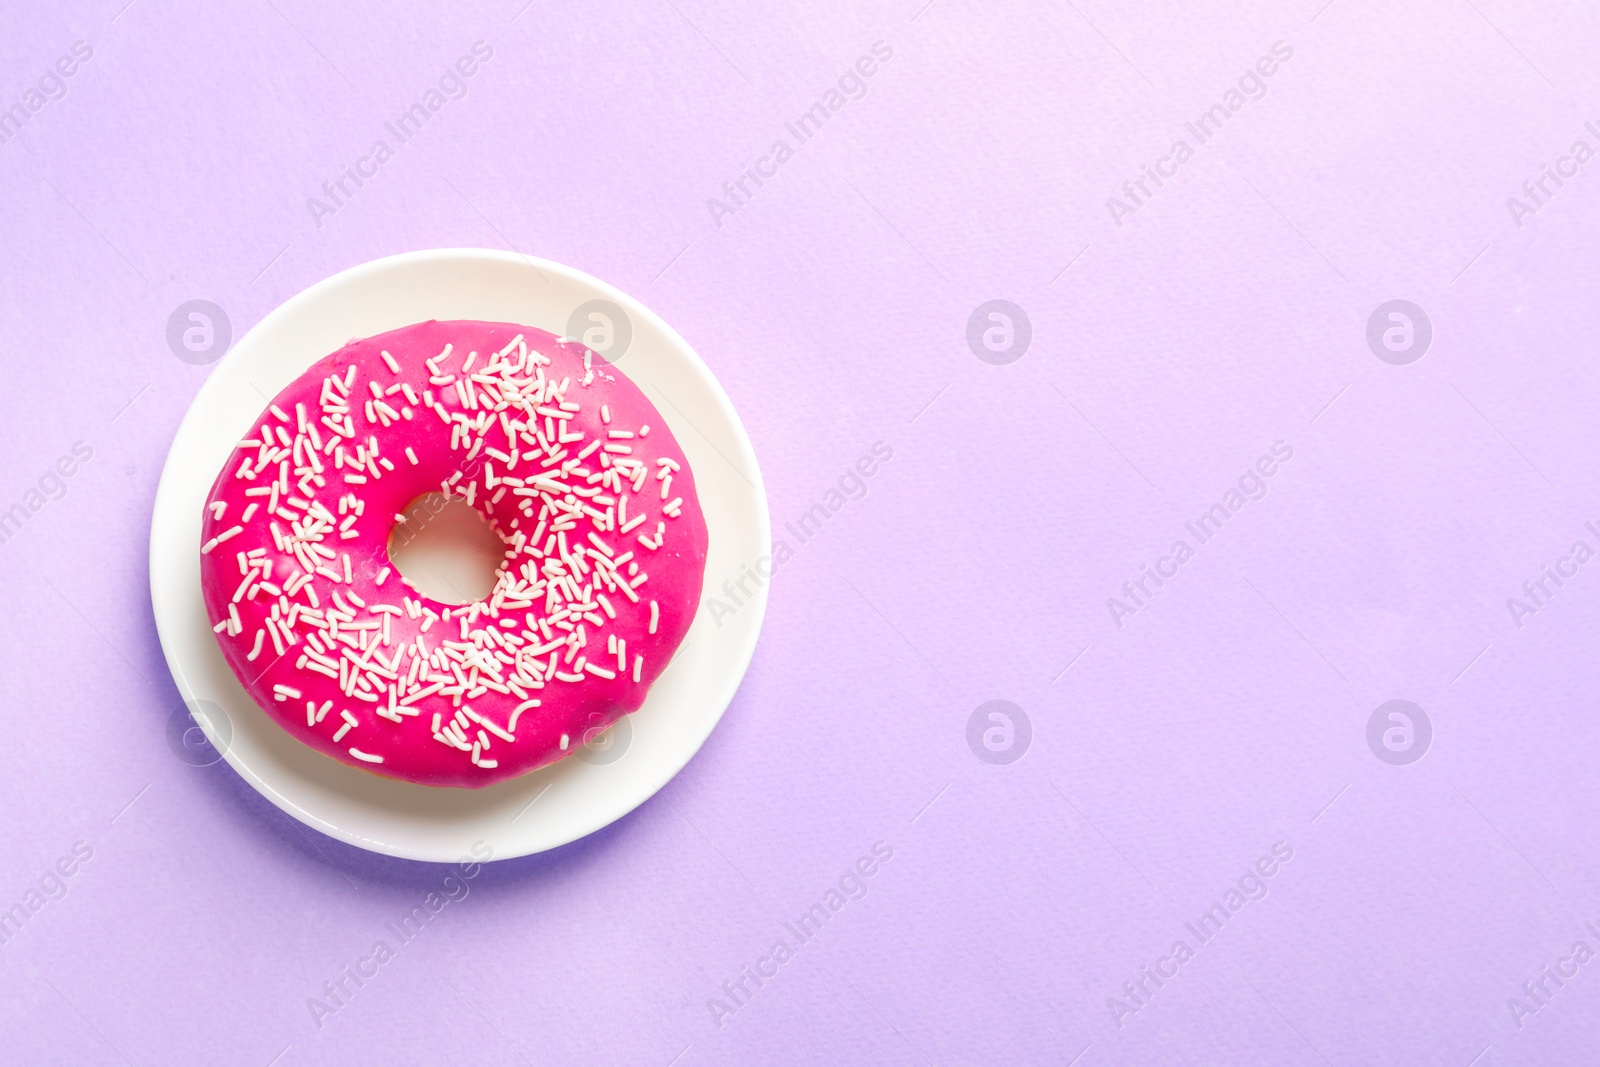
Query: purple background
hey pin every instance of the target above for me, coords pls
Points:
(1230, 712)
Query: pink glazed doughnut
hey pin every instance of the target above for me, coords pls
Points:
(570, 464)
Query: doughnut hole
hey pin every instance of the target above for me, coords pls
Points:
(446, 549)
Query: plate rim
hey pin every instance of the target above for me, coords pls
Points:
(164, 505)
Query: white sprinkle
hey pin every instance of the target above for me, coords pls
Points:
(232, 531)
(520, 708)
(360, 755)
(655, 615)
(387, 358)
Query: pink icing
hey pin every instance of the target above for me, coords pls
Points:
(578, 603)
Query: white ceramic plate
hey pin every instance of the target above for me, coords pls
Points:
(549, 807)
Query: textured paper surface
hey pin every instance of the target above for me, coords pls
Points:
(1170, 737)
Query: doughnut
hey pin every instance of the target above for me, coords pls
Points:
(567, 461)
